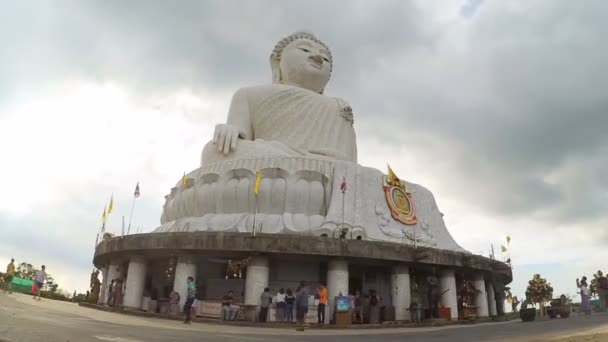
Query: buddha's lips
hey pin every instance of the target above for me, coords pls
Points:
(315, 63)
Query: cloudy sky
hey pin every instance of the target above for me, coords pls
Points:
(498, 107)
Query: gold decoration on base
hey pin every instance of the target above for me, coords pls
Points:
(399, 200)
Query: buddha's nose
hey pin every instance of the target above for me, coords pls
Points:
(317, 58)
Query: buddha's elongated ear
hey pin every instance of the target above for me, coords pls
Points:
(276, 70)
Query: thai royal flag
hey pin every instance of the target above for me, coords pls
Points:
(136, 193)
(343, 185)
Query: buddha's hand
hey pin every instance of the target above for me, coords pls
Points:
(225, 137)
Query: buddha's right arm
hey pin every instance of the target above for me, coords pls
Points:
(238, 125)
(239, 114)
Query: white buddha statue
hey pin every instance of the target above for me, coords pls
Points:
(303, 142)
(290, 117)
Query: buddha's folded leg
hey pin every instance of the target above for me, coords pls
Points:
(248, 149)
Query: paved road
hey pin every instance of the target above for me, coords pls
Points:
(23, 319)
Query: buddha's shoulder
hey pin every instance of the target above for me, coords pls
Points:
(258, 93)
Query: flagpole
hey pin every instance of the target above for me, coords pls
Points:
(343, 213)
(255, 210)
(131, 216)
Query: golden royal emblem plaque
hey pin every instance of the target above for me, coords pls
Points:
(399, 200)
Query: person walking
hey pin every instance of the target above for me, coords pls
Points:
(301, 303)
(40, 279)
(265, 300)
(189, 300)
(10, 273)
(322, 304)
(585, 295)
(602, 290)
(290, 299)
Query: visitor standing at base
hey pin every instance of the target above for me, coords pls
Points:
(602, 291)
(281, 305)
(322, 304)
(10, 273)
(40, 279)
(290, 299)
(189, 300)
(301, 303)
(265, 300)
(585, 296)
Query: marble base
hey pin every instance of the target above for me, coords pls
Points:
(300, 196)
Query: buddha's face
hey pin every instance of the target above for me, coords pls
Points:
(305, 63)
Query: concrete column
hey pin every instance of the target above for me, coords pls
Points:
(481, 298)
(256, 280)
(185, 268)
(401, 292)
(449, 298)
(103, 289)
(491, 299)
(337, 282)
(136, 279)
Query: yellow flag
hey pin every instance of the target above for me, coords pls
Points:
(184, 180)
(508, 239)
(104, 217)
(503, 248)
(258, 183)
(111, 207)
(392, 177)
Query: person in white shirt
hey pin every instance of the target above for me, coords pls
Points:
(281, 305)
(40, 279)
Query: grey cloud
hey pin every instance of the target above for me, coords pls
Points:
(527, 97)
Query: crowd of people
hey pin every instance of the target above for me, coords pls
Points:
(11, 270)
(601, 290)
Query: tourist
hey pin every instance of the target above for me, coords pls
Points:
(40, 279)
(585, 295)
(289, 301)
(301, 303)
(191, 290)
(111, 293)
(117, 293)
(265, 300)
(322, 304)
(374, 307)
(228, 308)
(10, 273)
(281, 305)
(602, 290)
(357, 307)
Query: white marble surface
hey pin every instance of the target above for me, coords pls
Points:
(300, 196)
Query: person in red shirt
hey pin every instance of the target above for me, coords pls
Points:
(322, 303)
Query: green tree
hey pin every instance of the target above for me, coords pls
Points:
(539, 290)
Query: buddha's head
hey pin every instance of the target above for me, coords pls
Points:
(301, 60)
